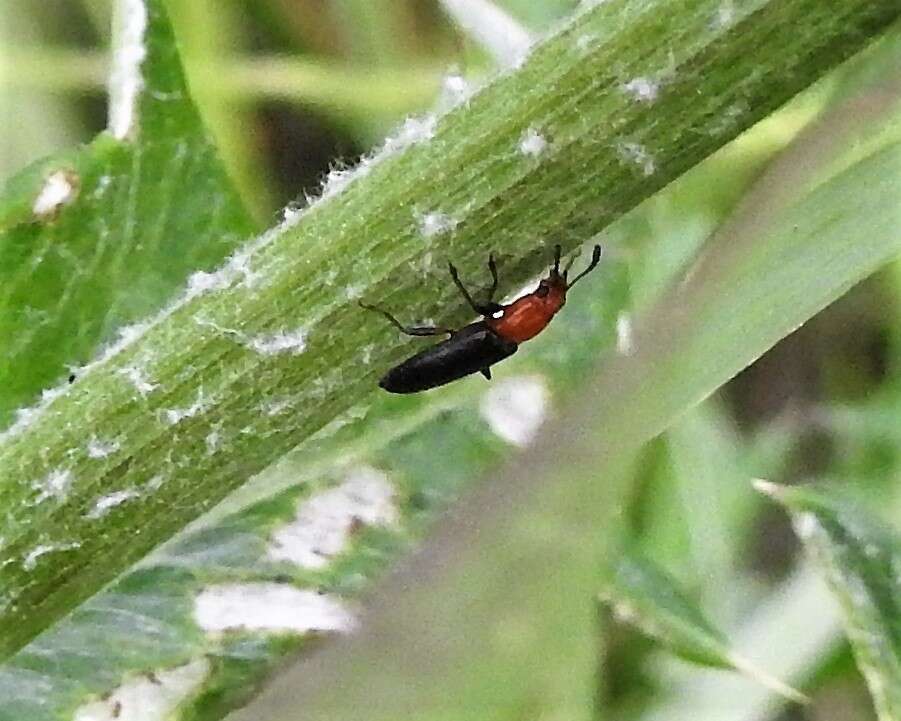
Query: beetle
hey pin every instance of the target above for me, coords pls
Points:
(479, 345)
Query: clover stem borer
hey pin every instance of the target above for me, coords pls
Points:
(479, 345)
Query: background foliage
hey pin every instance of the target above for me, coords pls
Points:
(292, 90)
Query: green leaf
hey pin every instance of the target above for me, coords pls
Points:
(699, 466)
(641, 594)
(99, 237)
(861, 560)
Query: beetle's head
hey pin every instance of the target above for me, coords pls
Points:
(556, 279)
(552, 289)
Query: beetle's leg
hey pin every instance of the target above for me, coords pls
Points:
(490, 307)
(424, 330)
(480, 308)
(462, 288)
(492, 267)
(486, 372)
(415, 330)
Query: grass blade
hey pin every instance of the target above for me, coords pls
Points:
(860, 560)
(647, 598)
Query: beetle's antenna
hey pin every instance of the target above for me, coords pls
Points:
(557, 251)
(569, 263)
(595, 259)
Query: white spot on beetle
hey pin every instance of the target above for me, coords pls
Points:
(59, 189)
(326, 521)
(515, 408)
(270, 607)
(148, 697)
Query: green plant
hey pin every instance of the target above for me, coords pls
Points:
(270, 352)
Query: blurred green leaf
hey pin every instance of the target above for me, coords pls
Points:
(209, 35)
(701, 464)
(644, 596)
(32, 123)
(861, 561)
(134, 216)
